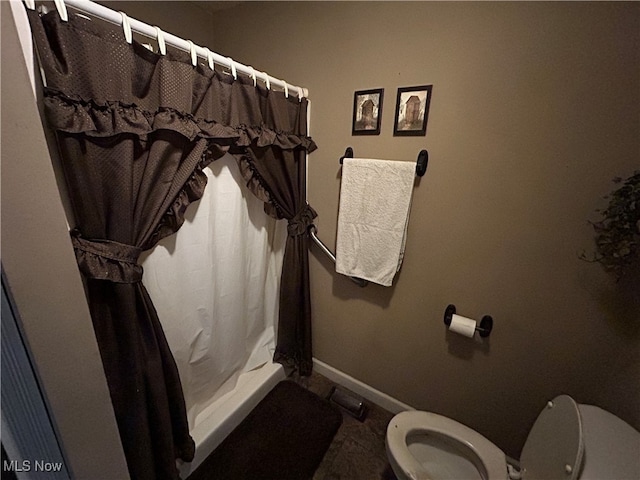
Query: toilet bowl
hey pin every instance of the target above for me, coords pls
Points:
(428, 446)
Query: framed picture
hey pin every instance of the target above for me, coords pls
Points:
(367, 112)
(412, 111)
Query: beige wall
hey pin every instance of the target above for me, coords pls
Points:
(186, 19)
(534, 110)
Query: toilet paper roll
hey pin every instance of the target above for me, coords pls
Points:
(462, 325)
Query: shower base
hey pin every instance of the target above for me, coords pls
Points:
(218, 420)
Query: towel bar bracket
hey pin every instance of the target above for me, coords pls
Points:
(423, 160)
(348, 153)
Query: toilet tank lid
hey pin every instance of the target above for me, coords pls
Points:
(612, 446)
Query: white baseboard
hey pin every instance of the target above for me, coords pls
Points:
(356, 386)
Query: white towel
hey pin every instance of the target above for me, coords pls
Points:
(375, 199)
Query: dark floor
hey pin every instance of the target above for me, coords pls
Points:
(357, 451)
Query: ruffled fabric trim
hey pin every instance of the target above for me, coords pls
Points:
(257, 185)
(300, 223)
(192, 190)
(106, 259)
(75, 115)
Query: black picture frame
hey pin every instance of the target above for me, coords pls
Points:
(412, 111)
(367, 112)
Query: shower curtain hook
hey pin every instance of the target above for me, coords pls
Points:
(30, 4)
(162, 47)
(232, 65)
(209, 58)
(266, 80)
(300, 94)
(194, 54)
(62, 10)
(253, 75)
(286, 89)
(126, 27)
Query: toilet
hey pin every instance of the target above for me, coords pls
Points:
(568, 441)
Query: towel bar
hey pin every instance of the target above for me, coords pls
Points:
(313, 230)
(421, 163)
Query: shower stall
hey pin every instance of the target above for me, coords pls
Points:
(216, 284)
(225, 264)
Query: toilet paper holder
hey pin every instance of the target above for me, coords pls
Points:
(483, 329)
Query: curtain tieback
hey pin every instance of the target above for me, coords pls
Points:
(106, 259)
(300, 222)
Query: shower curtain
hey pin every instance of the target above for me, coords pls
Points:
(135, 130)
(215, 287)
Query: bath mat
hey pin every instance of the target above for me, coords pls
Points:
(283, 438)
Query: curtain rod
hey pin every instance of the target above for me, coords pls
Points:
(118, 18)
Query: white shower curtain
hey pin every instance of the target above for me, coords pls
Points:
(215, 287)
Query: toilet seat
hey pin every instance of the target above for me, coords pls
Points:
(406, 424)
(554, 447)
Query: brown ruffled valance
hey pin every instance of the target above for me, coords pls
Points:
(108, 118)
